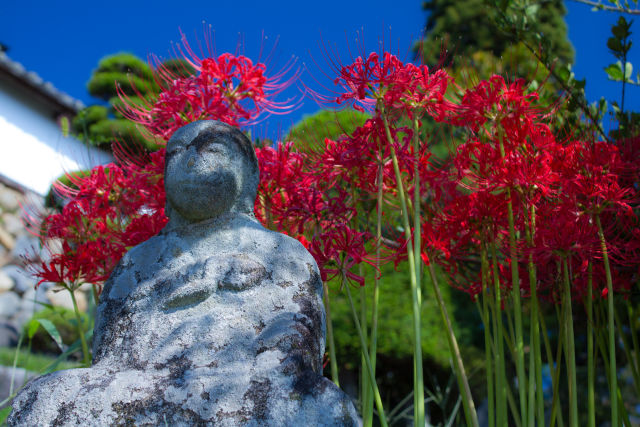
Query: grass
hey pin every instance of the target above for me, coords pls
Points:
(32, 362)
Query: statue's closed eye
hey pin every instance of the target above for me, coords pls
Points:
(173, 152)
(214, 148)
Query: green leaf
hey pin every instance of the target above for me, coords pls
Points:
(615, 106)
(614, 71)
(65, 126)
(4, 413)
(621, 29)
(72, 348)
(602, 105)
(531, 11)
(32, 328)
(628, 70)
(615, 46)
(53, 332)
(564, 73)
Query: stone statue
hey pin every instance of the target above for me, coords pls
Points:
(214, 321)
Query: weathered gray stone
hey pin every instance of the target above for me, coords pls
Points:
(214, 321)
(8, 337)
(23, 280)
(33, 300)
(6, 282)
(62, 298)
(9, 199)
(12, 223)
(18, 376)
(25, 245)
(9, 304)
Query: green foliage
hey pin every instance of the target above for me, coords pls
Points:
(53, 200)
(33, 362)
(395, 319)
(619, 74)
(309, 134)
(456, 29)
(52, 329)
(101, 125)
(620, 45)
(65, 126)
(124, 68)
(102, 84)
(622, 71)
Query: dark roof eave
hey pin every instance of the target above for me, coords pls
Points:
(44, 91)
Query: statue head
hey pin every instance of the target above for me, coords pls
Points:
(210, 169)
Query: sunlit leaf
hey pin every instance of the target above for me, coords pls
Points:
(65, 126)
(53, 332)
(614, 71)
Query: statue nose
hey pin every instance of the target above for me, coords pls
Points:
(191, 162)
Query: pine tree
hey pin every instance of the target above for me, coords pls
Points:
(464, 27)
(100, 125)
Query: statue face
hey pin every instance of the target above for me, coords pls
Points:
(203, 171)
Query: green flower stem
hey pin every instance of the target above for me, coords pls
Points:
(531, 420)
(364, 378)
(536, 398)
(627, 352)
(554, 367)
(499, 408)
(498, 336)
(417, 216)
(463, 383)
(570, 347)
(611, 325)
(514, 409)
(591, 411)
(333, 363)
(85, 349)
(373, 341)
(418, 387)
(517, 305)
(415, 208)
(634, 340)
(488, 352)
(96, 295)
(365, 352)
(601, 341)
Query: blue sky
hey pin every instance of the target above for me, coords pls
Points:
(63, 42)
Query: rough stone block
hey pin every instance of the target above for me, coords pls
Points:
(214, 321)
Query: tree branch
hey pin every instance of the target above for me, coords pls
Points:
(607, 8)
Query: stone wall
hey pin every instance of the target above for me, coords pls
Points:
(17, 287)
(19, 299)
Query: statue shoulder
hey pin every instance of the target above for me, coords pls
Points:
(134, 258)
(287, 257)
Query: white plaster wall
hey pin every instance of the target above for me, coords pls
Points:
(33, 151)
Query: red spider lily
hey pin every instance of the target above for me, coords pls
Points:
(110, 212)
(591, 173)
(228, 87)
(495, 100)
(398, 86)
(338, 250)
(365, 80)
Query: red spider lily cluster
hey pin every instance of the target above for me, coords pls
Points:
(229, 88)
(109, 211)
(556, 189)
(120, 205)
(327, 200)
